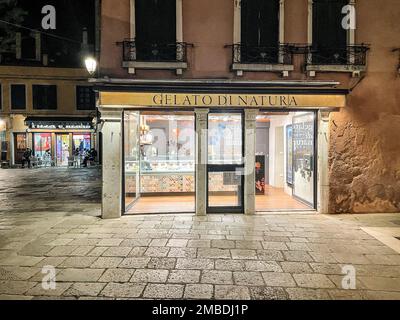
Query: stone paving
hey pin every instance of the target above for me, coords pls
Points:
(50, 217)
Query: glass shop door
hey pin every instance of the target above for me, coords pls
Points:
(132, 157)
(225, 179)
(62, 150)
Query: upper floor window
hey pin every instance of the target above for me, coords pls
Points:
(259, 31)
(155, 22)
(85, 98)
(44, 97)
(18, 97)
(329, 38)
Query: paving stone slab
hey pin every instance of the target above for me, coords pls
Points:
(38, 290)
(313, 281)
(150, 275)
(77, 262)
(231, 292)
(268, 293)
(163, 291)
(213, 253)
(307, 294)
(79, 275)
(134, 262)
(278, 279)
(81, 289)
(197, 263)
(246, 278)
(122, 290)
(117, 275)
(216, 277)
(198, 291)
(106, 262)
(184, 276)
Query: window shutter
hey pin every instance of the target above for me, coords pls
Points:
(155, 21)
(327, 24)
(260, 23)
(155, 30)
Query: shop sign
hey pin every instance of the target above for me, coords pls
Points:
(148, 99)
(59, 126)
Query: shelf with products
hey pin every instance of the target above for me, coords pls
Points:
(160, 166)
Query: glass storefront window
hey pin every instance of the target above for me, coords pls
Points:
(81, 141)
(42, 143)
(225, 138)
(159, 162)
(131, 151)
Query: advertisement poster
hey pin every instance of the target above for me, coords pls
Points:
(289, 155)
(260, 174)
(303, 157)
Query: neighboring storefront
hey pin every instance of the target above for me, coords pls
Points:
(60, 136)
(3, 139)
(215, 148)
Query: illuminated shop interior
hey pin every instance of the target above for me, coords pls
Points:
(159, 151)
(285, 161)
(159, 162)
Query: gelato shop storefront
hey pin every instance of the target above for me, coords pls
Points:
(211, 149)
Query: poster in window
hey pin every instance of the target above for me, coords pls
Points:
(260, 174)
(289, 155)
(303, 157)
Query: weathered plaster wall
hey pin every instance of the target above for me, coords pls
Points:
(365, 136)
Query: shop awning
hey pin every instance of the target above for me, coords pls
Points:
(40, 122)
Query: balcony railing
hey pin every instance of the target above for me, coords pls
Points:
(353, 55)
(154, 52)
(245, 54)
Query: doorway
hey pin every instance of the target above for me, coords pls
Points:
(62, 149)
(20, 146)
(286, 161)
(225, 165)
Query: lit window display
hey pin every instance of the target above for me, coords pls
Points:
(225, 138)
(285, 161)
(81, 141)
(62, 149)
(42, 143)
(159, 162)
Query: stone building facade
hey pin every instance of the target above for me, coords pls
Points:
(46, 102)
(358, 151)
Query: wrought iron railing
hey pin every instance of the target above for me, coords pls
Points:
(154, 52)
(279, 54)
(353, 55)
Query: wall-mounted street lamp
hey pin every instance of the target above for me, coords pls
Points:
(91, 64)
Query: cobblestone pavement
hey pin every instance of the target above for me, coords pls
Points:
(50, 218)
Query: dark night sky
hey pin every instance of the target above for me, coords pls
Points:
(71, 16)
